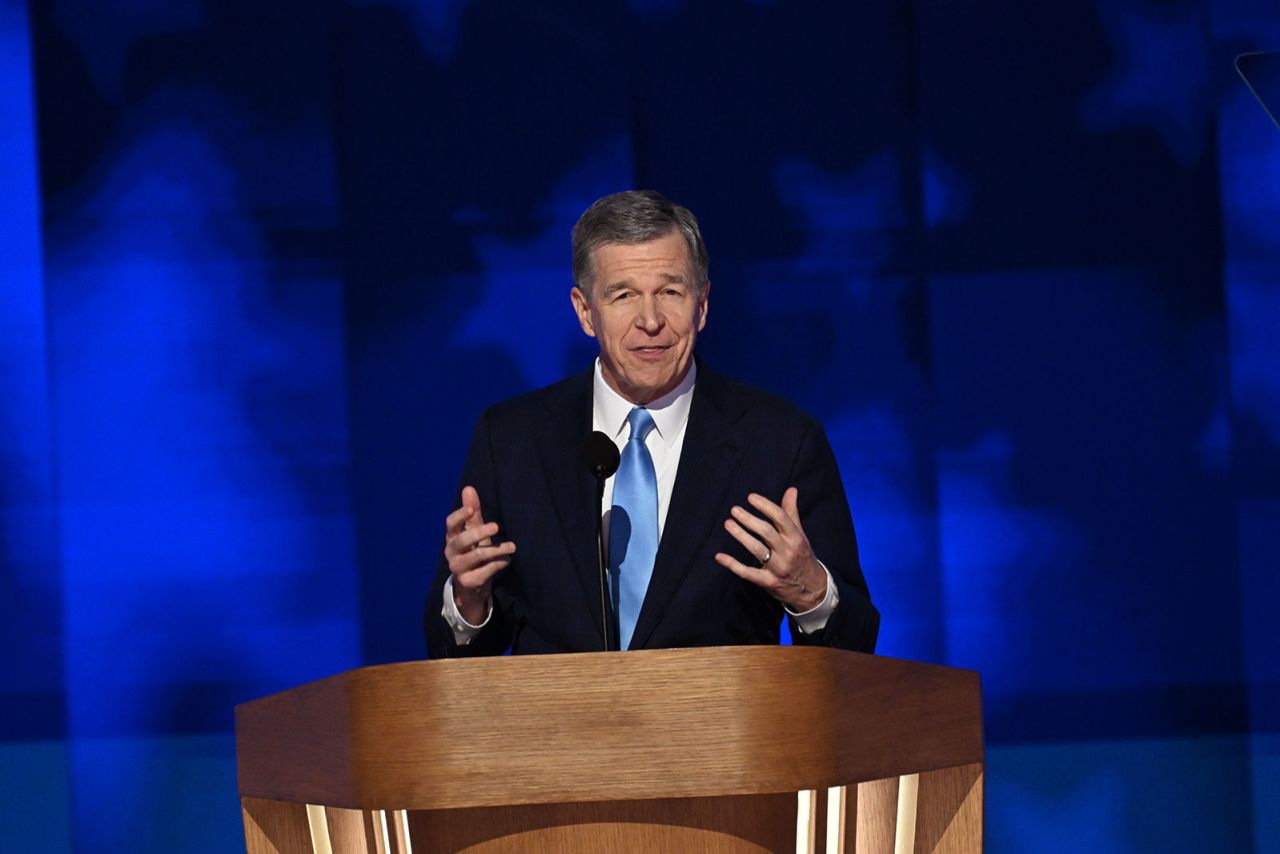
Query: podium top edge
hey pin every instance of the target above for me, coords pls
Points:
(688, 656)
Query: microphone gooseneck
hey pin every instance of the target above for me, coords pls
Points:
(602, 458)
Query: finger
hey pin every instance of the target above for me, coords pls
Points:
(771, 511)
(467, 562)
(471, 498)
(470, 538)
(759, 577)
(480, 576)
(453, 522)
(463, 559)
(759, 550)
(791, 505)
(760, 527)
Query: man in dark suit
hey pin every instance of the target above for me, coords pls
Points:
(727, 511)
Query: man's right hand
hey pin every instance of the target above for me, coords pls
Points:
(473, 558)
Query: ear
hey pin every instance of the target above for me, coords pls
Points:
(583, 309)
(704, 302)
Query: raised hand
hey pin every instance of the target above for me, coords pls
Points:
(775, 537)
(473, 558)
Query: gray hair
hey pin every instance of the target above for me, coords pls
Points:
(633, 217)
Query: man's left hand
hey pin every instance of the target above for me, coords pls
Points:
(775, 537)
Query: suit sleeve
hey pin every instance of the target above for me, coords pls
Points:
(495, 637)
(824, 512)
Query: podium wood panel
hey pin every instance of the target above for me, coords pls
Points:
(950, 817)
(605, 726)
(877, 820)
(275, 827)
(750, 823)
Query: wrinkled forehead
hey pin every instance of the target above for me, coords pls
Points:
(669, 250)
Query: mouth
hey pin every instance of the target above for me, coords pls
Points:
(651, 352)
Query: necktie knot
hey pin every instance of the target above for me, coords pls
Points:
(641, 421)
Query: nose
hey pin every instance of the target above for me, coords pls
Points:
(649, 317)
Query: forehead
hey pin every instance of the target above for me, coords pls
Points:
(666, 254)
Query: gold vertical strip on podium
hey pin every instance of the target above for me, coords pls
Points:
(836, 802)
(905, 838)
(381, 839)
(806, 819)
(318, 824)
(398, 823)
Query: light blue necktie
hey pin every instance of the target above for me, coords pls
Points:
(633, 525)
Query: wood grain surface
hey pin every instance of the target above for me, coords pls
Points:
(877, 823)
(272, 827)
(350, 830)
(755, 823)
(605, 726)
(949, 820)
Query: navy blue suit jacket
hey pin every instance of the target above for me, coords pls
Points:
(526, 463)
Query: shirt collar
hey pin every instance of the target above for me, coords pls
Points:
(670, 412)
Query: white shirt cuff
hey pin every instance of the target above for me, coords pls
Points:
(815, 619)
(463, 632)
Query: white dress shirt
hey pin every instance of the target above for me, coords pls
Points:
(665, 442)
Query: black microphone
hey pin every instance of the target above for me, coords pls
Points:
(601, 455)
(602, 458)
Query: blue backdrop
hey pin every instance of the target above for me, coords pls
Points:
(264, 262)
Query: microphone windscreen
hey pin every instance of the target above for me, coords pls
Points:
(600, 455)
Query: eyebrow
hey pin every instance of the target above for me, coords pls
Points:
(670, 278)
(614, 288)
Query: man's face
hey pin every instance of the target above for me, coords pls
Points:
(646, 313)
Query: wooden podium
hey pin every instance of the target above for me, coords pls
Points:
(720, 749)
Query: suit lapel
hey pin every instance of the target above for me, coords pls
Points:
(708, 460)
(570, 484)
